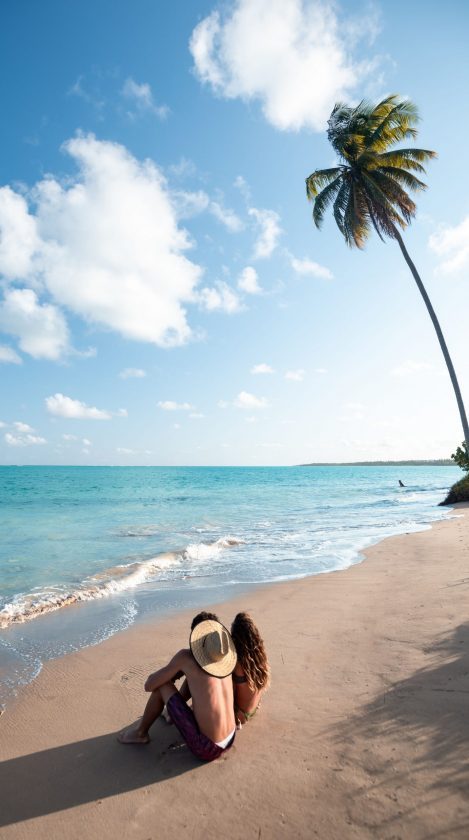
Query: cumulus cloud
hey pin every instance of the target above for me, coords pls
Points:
(171, 405)
(40, 328)
(61, 406)
(141, 96)
(24, 428)
(248, 281)
(132, 373)
(9, 356)
(268, 221)
(19, 239)
(24, 440)
(106, 245)
(293, 56)
(262, 368)
(220, 297)
(295, 375)
(250, 401)
(308, 268)
(452, 245)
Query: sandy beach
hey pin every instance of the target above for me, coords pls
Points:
(364, 732)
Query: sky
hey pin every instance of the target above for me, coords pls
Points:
(165, 296)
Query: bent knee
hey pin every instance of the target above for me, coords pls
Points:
(167, 690)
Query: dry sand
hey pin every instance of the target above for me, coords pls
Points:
(364, 733)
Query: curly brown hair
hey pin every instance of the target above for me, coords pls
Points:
(251, 652)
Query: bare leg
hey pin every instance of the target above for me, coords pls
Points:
(139, 734)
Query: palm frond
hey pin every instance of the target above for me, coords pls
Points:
(319, 179)
(323, 199)
(340, 204)
(384, 210)
(403, 177)
(407, 158)
(395, 194)
(398, 122)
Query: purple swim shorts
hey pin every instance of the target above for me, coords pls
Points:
(183, 717)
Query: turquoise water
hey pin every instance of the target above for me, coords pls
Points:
(87, 551)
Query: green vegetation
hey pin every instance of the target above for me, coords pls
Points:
(461, 456)
(367, 189)
(438, 462)
(458, 493)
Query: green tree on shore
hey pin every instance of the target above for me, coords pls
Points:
(368, 189)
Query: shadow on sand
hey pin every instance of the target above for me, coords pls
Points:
(428, 712)
(88, 771)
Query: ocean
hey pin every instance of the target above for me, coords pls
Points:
(88, 551)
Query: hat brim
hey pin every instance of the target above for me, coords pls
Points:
(224, 666)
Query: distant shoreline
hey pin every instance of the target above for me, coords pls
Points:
(441, 462)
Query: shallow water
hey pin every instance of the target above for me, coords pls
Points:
(87, 551)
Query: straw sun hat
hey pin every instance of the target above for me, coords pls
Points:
(213, 648)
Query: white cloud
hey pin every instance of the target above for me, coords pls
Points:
(108, 247)
(41, 329)
(452, 245)
(262, 368)
(220, 297)
(227, 217)
(248, 281)
(307, 267)
(295, 375)
(222, 404)
(250, 401)
(69, 437)
(187, 203)
(122, 412)
(86, 442)
(23, 428)
(411, 367)
(170, 405)
(293, 56)
(176, 425)
(270, 231)
(196, 415)
(320, 370)
(142, 97)
(24, 440)
(19, 238)
(9, 356)
(62, 406)
(132, 373)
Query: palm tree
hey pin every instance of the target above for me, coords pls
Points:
(368, 188)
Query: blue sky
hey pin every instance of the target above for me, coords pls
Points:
(165, 296)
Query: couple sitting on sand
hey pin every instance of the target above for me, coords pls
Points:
(225, 675)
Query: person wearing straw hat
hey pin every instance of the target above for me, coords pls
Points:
(208, 727)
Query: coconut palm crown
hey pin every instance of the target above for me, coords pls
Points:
(368, 187)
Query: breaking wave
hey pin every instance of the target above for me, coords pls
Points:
(25, 607)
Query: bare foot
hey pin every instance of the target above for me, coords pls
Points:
(131, 735)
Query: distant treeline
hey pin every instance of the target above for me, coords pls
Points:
(439, 462)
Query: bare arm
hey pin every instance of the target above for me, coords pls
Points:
(170, 672)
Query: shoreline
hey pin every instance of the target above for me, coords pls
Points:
(348, 741)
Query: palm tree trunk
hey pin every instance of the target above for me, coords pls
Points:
(439, 333)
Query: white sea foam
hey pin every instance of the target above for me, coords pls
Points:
(25, 607)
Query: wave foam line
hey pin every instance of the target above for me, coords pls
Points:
(109, 582)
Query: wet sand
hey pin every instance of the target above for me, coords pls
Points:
(363, 734)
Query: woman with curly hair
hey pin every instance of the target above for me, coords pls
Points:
(251, 675)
